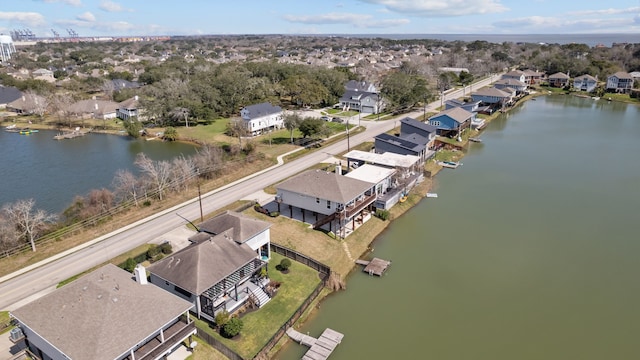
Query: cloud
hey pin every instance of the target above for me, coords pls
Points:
(110, 6)
(26, 18)
(609, 11)
(87, 16)
(68, 2)
(433, 8)
(356, 20)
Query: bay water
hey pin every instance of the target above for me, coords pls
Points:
(52, 171)
(529, 252)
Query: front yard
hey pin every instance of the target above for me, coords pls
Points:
(261, 324)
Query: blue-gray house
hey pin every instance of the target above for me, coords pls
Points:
(409, 126)
(452, 122)
(411, 144)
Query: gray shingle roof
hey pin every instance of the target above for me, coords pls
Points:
(9, 94)
(101, 315)
(410, 122)
(201, 265)
(510, 82)
(559, 75)
(243, 227)
(400, 142)
(326, 185)
(491, 91)
(262, 109)
(622, 75)
(584, 77)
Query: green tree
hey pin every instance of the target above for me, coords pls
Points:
(133, 127)
(404, 90)
(310, 127)
(232, 327)
(291, 122)
(170, 134)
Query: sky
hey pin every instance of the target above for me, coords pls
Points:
(222, 17)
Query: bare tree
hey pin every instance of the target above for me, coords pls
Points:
(126, 185)
(9, 237)
(183, 170)
(61, 104)
(208, 160)
(108, 87)
(27, 221)
(158, 173)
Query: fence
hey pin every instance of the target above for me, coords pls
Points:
(324, 271)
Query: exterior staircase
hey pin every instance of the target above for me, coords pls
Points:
(261, 297)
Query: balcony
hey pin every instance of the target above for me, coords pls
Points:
(359, 205)
(173, 335)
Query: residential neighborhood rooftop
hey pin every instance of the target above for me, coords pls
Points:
(243, 227)
(370, 173)
(101, 315)
(326, 185)
(385, 159)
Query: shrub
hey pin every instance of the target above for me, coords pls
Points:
(285, 264)
(383, 214)
(166, 248)
(274, 214)
(153, 252)
(222, 318)
(232, 327)
(129, 265)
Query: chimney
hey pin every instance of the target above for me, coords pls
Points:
(338, 169)
(141, 274)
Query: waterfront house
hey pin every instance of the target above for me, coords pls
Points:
(515, 75)
(532, 77)
(559, 79)
(585, 83)
(93, 108)
(620, 82)
(105, 315)
(128, 109)
(491, 95)
(471, 106)
(43, 75)
(384, 181)
(262, 117)
(517, 85)
(411, 144)
(8, 94)
(362, 101)
(220, 269)
(451, 122)
(29, 103)
(328, 200)
(412, 126)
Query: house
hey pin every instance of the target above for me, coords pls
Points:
(559, 79)
(28, 103)
(362, 101)
(262, 117)
(384, 179)
(621, 82)
(411, 144)
(364, 86)
(120, 84)
(331, 200)
(219, 270)
(105, 315)
(96, 109)
(452, 121)
(404, 163)
(412, 126)
(491, 95)
(44, 75)
(471, 106)
(8, 94)
(128, 109)
(517, 85)
(585, 83)
(532, 77)
(515, 75)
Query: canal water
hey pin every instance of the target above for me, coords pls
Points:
(52, 171)
(529, 252)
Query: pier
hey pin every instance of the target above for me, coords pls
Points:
(320, 348)
(374, 267)
(71, 134)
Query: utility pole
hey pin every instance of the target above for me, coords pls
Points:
(199, 194)
(348, 145)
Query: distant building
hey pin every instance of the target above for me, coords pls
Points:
(8, 94)
(559, 79)
(621, 82)
(585, 83)
(128, 109)
(6, 48)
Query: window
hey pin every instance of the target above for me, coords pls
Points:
(435, 123)
(318, 200)
(328, 204)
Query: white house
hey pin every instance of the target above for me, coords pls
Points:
(492, 95)
(517, 85)
(362, 101)
(620, 82)
(262, 117)
(585, 83)
(128, 109)
(516, 75)
(105, 315)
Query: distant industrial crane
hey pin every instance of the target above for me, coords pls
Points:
(55, 33)
(72, 33)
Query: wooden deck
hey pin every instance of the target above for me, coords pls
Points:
(320, 348)
(374, 267)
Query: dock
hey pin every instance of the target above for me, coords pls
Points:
(374, 267)
(449, 164)
(475, 139)
(320, 348)
(71, 134)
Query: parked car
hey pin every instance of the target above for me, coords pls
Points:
(325, 118)
(336, 119)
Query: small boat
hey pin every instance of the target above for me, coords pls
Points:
(475, 139)
(596, 98)
(403, 198)
(9, 127)
(432, 195)
(449, 164)
(26, 131)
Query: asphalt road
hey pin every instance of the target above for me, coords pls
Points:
(21, 287)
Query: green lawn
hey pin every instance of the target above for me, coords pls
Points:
(260, 325)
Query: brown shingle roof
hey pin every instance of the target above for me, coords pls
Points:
(199, 266)
(101, 315)
(491, 91)
(325, 185)
(243, 227)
